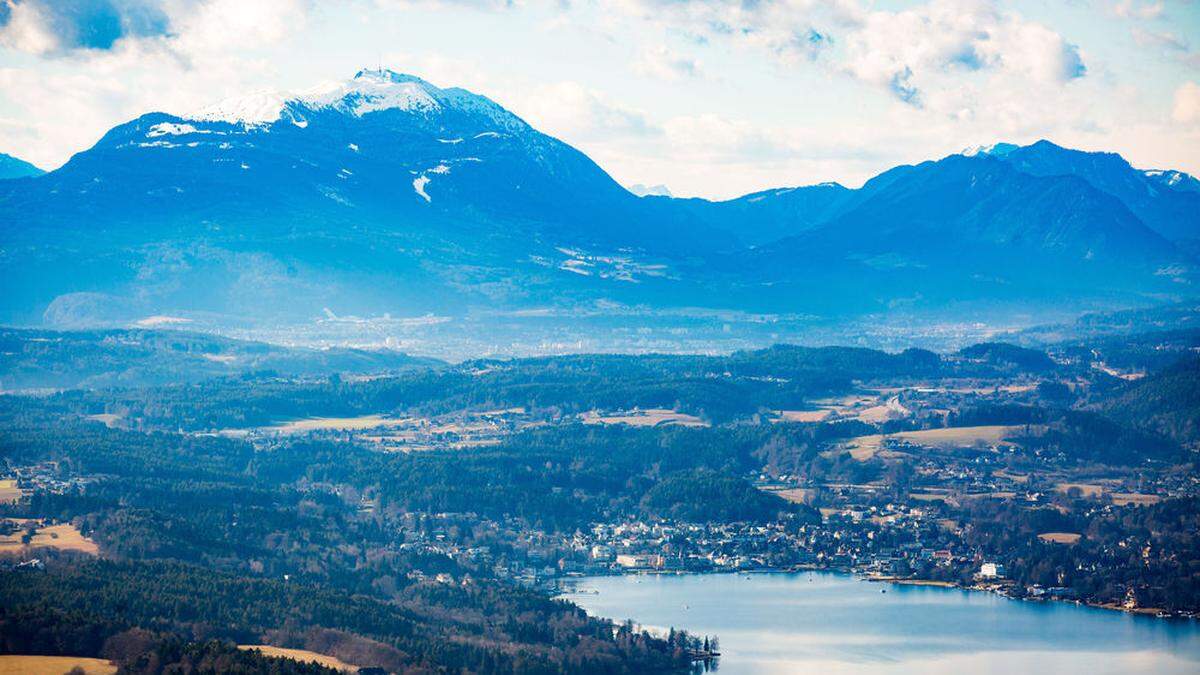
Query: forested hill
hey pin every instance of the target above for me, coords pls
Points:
(1166, 401)
(40, 359)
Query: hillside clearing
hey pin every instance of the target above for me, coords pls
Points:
(1135, 498)
(9, 492)
(863, 448)
(336, 424)
(1068, 538)
(64, 537)
(794, 495)
(302, 655)
(805, 416)
(650, 417)
(17, 664)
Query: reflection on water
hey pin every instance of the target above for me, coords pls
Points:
(832, 623)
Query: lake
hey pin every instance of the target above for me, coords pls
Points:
(834, 623)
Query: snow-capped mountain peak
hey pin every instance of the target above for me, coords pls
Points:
(1175, 180)
(374, 90)
(369, 91)
(995, 150)
(256, 108)
(650, 190)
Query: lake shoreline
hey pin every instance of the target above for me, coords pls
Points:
(818, 620)
(1153, 612)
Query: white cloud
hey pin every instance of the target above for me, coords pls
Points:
(220, 24)
(59, 26)
(904, 52)
(78, 92)
(1133, 9)
(571, 110)
(28, 30)
(1161, 39)
(1187, 104)
(791, 31)
(942, 45)
(665, 64)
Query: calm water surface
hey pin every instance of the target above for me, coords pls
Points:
(835, 623)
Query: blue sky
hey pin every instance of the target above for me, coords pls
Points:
(710, 97)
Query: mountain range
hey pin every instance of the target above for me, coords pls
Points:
(14, 167)
(387, 195)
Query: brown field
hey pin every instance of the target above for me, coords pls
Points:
(1060, 537)
(863, 448)
(337, 424)
(992, 495)
(9, 492)
(517, 410)
(928, 497)
(53, 665)
(794, 495)
(803, 415)
(302, 655)
(954, 437)
(1128, 376)
(1136, 498)
(63, 537)
(650, 417)
(875, 414)
(841, 403)
(456, 430)
(1090, 490)
(107, 419)
(892, 409)
(1005, 389)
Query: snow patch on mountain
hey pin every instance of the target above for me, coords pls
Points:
(995, 150)
(172, 129)
(369, 91)
(361, 96)
(1175, 180)
(419, 184)
(255, 109)
(650, 190)
(334, 195)
(614, 267)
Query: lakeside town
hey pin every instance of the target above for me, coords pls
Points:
(480, 498)
(887, 543)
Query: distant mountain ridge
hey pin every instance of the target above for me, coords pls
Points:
(14, 167)
(1173, 212)
(38, 359)
(1175, 180)
(386, 194)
